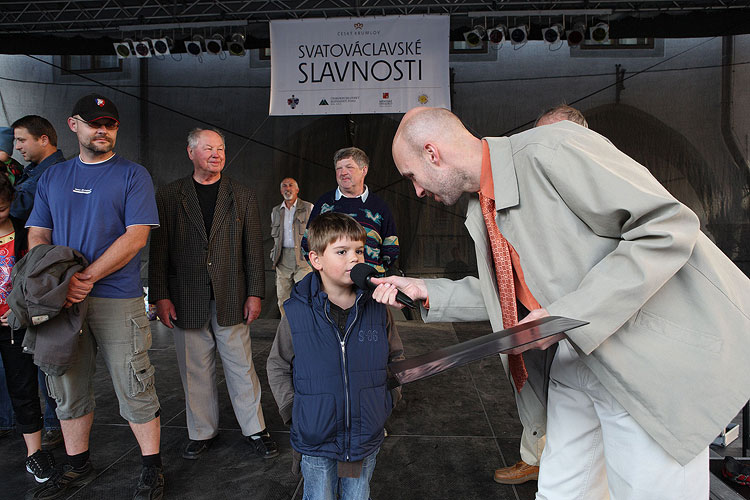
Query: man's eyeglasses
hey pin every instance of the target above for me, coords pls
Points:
(97, 124)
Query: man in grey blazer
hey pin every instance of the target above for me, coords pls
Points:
(206, 278)
(636, 396)
(288, 223)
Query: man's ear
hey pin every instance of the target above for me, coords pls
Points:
(190, 152)
(315, 260)
(44, 139)
(431, 153)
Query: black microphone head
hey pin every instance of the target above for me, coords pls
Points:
(359, 275)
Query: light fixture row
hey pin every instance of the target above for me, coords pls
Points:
(195, 46)
(518, 35)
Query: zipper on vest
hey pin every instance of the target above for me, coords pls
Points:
(342, 342)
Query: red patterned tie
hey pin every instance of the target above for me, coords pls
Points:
(504, 275)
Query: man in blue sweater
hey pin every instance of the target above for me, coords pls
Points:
(352, 197)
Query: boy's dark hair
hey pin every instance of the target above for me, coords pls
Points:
(37, 126)
(6, 189)
(331, 226)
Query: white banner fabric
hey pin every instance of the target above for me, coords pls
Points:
(359, 65)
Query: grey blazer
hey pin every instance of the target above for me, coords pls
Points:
(602, 241)
(184, 259)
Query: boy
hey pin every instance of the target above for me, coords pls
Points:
(20, 370)
(327, 367)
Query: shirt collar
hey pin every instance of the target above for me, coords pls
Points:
(294, 205)
(486, 184)
(55, 157)
(364, 194)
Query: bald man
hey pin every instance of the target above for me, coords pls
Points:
(636, 396)
(288, 223)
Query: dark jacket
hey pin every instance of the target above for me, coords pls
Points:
(20, 247)
(26, 185)
(333, 387)
(37, 300)
(184, 260)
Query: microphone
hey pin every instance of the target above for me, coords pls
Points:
(361, 275)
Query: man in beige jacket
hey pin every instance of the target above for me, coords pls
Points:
(637, 395)
(288, 224)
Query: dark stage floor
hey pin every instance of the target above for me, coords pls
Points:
(445, 438)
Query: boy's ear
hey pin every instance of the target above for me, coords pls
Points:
(315, 260)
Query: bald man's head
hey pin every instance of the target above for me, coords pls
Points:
(433, 149)
(560, 113)
(420, 126)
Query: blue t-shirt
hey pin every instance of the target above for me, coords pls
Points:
(89, 206)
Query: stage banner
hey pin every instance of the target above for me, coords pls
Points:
(359, 65)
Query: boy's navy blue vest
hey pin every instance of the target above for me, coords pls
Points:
(341, 400)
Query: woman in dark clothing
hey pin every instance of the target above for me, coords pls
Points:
(20, 371)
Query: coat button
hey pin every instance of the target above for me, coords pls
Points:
(209, 263)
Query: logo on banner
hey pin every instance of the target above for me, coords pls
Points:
(423, 99)
(292, 101)
(358, 26)
(323, 102)
(386, 101)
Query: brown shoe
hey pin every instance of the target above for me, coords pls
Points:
(517, 474)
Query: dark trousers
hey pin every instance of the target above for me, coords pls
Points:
(21, 378)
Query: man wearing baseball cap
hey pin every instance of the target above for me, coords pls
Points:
(102, 205)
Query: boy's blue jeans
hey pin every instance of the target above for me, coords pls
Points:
(322, 481)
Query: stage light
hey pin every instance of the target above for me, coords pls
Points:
(123, 49)
(497, 35)
(599, 33)
(214, 44)
(162, 46)
(142, 49)
(194, 47)
(575, 35)
(518, 35)
(553, 34)
(474, 37)
(236, 44)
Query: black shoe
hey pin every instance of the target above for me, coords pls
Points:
(263, 444)
(195, 448)
(41, 464)
(151, 483)
(62, 481)
(51, 439)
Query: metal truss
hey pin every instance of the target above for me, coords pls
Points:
(101, 17)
